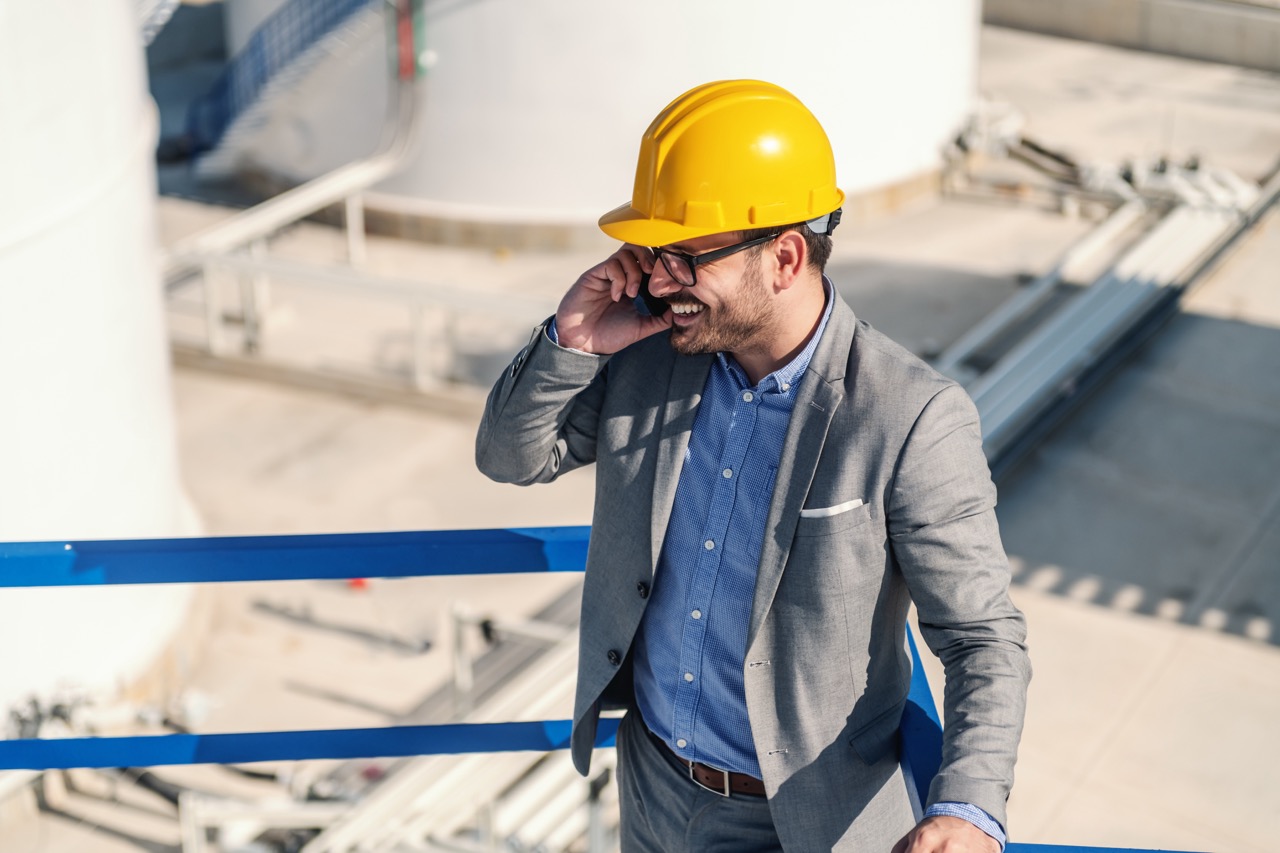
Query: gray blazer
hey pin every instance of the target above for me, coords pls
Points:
(827, 671)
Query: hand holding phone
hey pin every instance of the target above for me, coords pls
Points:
(610, 306)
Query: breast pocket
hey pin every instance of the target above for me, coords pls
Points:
(828, 521)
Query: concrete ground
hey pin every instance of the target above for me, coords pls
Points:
(1145, 533)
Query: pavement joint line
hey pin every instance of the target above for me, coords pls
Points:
(1231, 572)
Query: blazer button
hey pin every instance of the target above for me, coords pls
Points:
(643, 589)
(614, 657)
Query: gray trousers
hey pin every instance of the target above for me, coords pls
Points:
(664, 811)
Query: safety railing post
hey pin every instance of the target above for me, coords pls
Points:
(249, 285)
(449, 347)
(421, 347)
(213, 309)
(357, 246)
(484, 827)
(463, 675)
(191, 826)
(596, 835)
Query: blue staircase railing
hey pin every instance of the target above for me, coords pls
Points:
(340, 556)
(278, 46)
(154, 15)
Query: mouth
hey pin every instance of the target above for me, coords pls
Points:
(683, 313)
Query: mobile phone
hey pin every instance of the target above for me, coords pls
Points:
(646, 302)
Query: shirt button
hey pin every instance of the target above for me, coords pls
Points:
(786, 386)
(688, 676)
(643, 589)
(697, 614)
(614, 657)
(727, 473)
(709, 544)
(748, 396)
(682, 743)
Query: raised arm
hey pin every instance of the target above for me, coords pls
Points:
(542, 415)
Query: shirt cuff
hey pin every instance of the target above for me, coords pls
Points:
(973, 814)
(555, 338)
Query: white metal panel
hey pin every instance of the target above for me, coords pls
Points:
(87, 437)
(534, 108)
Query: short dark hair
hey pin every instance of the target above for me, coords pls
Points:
(819, 245)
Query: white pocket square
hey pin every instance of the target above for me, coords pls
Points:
(825, 511)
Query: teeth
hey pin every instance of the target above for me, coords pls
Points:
(687, 307)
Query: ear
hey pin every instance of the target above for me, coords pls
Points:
(790, 257)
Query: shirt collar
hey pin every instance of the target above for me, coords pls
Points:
(785, 379)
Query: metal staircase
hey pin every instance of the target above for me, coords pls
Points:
(287, 47)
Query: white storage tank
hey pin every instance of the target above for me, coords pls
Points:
(533, 109)
(87, 443)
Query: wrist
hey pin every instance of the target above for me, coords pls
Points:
(972, 815)
(553, 335)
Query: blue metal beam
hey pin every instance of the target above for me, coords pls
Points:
(1065, 848)
(247, 747)
(309, 557)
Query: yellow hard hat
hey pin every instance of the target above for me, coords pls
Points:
(727, 156)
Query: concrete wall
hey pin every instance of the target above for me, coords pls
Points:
(1238, 32)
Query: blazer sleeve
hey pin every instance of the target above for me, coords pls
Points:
(944, 536)
(541, 418)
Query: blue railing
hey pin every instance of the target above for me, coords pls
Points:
(340, 556)
(282, 40)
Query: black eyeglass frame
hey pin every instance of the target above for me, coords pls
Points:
(693, 261)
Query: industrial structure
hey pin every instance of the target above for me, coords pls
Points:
(437, 121)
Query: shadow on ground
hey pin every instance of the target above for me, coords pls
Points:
(1161, 495)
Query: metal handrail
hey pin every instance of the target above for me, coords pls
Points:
(372, 555)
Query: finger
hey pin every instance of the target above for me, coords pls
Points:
(634, 272)
(652, 325)
(642, 254)
(596, 278)
(616, 274)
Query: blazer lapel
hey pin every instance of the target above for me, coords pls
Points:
(821, 393)
(688, 376)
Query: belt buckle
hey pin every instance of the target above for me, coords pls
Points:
(723, 773)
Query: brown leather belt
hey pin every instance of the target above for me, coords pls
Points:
(716, 781)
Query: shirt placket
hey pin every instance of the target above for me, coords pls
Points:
(700, 606)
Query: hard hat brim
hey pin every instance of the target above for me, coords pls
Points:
(628, 225)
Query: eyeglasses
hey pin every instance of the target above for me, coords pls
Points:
(683, 267)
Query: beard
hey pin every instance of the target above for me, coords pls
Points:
(734, 326)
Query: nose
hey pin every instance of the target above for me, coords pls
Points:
(661, 283)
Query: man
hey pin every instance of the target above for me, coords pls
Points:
(775, 482)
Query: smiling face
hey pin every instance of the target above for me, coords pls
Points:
(729, 309)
